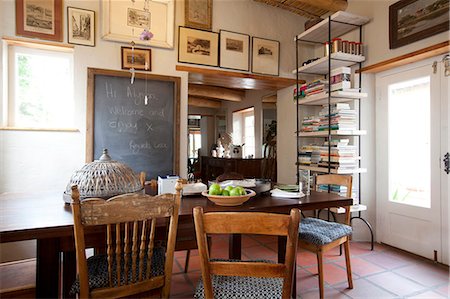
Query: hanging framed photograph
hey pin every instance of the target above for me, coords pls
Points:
(139, 59)
(39, 19)
(234, 50)
(265, 56)
(80, 26)
(198, 14)
(124, 21)
(198, 46)
(413, 20)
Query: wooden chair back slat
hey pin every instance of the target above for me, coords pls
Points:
(110, 252)
(130, 222)
(150, 248)
(340, 180)
(247, 223)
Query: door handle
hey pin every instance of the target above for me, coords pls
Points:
(446, 163)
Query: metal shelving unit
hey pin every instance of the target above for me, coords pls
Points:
(335, 25)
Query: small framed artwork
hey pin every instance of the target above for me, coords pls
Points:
(234, 50)
(139, 59)
(198, 14)
(265, 56)
(413, 20)
(39, 19)
(80, 26)
(198, 46)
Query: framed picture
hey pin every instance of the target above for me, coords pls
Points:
(198, 14)
(234, 50)
(80, 26)
(40, 19)
(413, 20)
(124, 21)
(198, 46)
(265, 56)
(139, 59)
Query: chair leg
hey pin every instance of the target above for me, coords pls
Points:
(186, 263)
(320, 270)
(347, 263)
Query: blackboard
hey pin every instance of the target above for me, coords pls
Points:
(142, 133)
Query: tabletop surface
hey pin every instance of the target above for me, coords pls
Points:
(27, 216)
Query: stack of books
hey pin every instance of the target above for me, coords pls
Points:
(342, 117)
(314, 87)
(310, 124)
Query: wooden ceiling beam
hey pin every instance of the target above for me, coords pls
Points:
(202, 102)
(215, 92)
(330, 5)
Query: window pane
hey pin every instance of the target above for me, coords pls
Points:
(43, 89)
(409, 142)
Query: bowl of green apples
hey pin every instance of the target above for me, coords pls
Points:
(228, 196)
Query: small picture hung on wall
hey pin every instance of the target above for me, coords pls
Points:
(80, 26)
(39, 19)
(137, 58)
(198, 14)
(198, 46)
(234, 50)
(413, 20)
(265, 56)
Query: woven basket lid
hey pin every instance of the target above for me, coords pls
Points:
(104, 178)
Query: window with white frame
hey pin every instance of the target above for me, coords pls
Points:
(244, 130)
(40, 87)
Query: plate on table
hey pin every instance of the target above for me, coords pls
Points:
(288, 188)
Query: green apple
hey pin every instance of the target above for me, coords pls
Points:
(229, 188)
(241, 190)
(235, 192)
(215, 189)
(225, 192)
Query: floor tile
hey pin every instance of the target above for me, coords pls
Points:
(428, 295)
(444, 290)
(387, 260)
(306, 281)
(395, 283)
(180, 284)
(306, 258)
(363, 289)
(248, 241)
(259, 252)
(361, 267)
(332, 273)
(330, 293)
(427, 274)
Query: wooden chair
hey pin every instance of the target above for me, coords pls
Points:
(319, 236)
(247, 279)
(134, 263)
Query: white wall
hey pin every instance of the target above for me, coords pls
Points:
(28, 163)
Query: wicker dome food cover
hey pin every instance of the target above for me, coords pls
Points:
(103, 178)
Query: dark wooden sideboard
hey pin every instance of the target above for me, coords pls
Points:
(212, 167)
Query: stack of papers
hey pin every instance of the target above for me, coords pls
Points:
(247, 183)
(190, 189)
(280, 193)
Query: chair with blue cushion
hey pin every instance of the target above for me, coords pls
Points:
(134, 262)
(223, 279)
(319, 236)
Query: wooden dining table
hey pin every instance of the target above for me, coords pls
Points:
(44, 217)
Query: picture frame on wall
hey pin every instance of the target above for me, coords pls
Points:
(265, 56)
(39, 19)
(413, 20)
(80, 26)
(234, 50)
(198, 46)
(139, 58)
(198, 14)
(124, 21)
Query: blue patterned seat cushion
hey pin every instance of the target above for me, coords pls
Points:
(98, 270)
(321, 232)
(225, 287)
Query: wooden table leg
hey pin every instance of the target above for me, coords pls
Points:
(234, 247)
(47, 268)
(69, 271)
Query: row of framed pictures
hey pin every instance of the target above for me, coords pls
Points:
(229, 50)
(43, 19)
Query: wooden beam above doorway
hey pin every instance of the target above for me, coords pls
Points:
(202, 102)
(216, 93)
(236, 80)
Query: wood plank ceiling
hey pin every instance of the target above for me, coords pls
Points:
(310, 9)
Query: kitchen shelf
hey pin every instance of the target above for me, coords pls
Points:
(343, 22)
(333, 133)
(336, 97)
(338, 59)
(334, 171)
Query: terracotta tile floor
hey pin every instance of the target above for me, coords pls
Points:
(384, 272)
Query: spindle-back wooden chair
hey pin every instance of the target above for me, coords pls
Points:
(134, 262)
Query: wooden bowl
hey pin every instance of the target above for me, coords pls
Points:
(229, 201)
